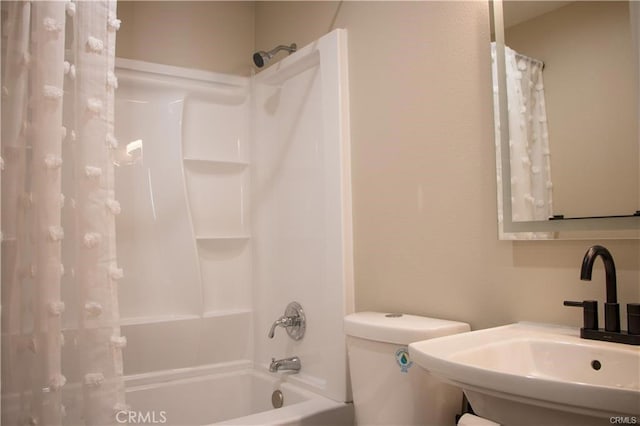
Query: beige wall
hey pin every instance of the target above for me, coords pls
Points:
(208, 35)
(591, 96)
(422, 156)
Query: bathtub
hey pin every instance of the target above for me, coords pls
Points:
(231, 394)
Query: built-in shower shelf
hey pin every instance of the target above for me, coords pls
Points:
(226, 312)
(226, 164)
(217, 175)
(214, 238)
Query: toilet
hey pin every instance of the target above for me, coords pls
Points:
(388, 388)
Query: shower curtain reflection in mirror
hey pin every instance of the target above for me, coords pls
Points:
(61, 342)
(531, 186)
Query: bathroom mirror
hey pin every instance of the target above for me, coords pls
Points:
(565, 83)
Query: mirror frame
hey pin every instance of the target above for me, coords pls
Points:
(577, 228)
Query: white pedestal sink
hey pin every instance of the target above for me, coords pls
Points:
(537, 374)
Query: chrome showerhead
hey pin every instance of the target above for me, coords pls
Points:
(261, 57)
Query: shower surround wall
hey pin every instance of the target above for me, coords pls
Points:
(184, 136)
(235, 201)
(302, 210)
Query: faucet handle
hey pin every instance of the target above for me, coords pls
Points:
(293, 320)
(590, 312)
(612, 317)
(633, 318)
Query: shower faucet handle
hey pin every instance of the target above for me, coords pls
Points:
(283, 321)
(293, 320)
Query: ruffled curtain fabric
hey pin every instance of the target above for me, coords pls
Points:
(531, 186)
(61, 347)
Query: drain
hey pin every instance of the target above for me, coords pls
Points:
(277, 399)
(596, 365)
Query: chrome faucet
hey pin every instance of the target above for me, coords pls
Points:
(611, 306)
(292, 364)
(293, 320)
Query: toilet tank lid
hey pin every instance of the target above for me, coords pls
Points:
(399, 328)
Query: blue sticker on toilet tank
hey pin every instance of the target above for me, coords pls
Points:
(403, 360)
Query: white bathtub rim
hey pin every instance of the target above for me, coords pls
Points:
(292, 414)
(312, 403)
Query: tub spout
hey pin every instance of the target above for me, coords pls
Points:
(292, 364)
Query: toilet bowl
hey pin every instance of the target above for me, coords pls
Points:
(388, 388)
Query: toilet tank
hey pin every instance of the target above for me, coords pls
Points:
(388, 388)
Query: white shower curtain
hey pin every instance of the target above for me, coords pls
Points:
(61, 342)
(531, 186)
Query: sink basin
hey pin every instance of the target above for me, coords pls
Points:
(537, 374)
